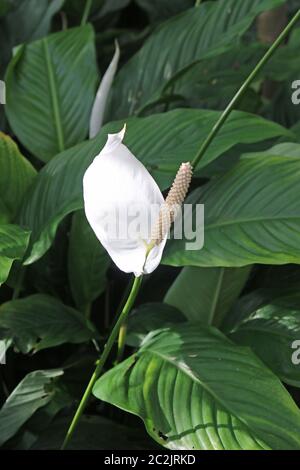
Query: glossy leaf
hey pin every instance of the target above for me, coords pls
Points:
(25, 21)
(273, 333)
(195, 34)
(39, 321)
(33, 392)
(87, 262)
(206, 294)
(13, 244)
(162, 142)
(210, 82)
(16, 176)
(251, 216)
(50, 91)
(149, 317)
(195, 389)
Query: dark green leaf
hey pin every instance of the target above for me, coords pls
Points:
(150, 317)
(211, 82)
(195, 389)
(16, 176)
(34, 391)
(25, 21)
(13, 244)
(251, 216)
(50, 91)
(208, 292)
(40, 321)
(196, 34)
(271, 332)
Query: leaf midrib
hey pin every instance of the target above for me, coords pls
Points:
(54, 97)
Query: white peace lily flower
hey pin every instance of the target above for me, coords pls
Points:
(117, 184)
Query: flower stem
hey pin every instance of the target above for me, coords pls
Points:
(121, 341)
(243, 89)
(107, 348)
(86, 12)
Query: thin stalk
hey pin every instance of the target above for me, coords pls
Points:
(121, 341)
(243, 89)
(123, 328)
(107, 348)
(86, 11)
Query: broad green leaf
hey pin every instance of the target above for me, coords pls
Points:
(246, 305)
(251, 216)
(87, 262)
(41, 419)
(13, 244)
(281, 108)
(277, 285)
(25, 21)
(34, 391)
(210, 83)
(162, 142)
(50, 91)
(283, 65)
(94, 433)
(272, 332)
(196, 34)
(149, 317)
(195, 389)
(40, 321)
(36, 16)
(206, 294)
(285, 149)
(16, 176)
(283, 68)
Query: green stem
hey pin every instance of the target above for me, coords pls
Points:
(86, 12)
(197, 3)
(243, 89)
(107, 348)
(121, 341)
(123, 328)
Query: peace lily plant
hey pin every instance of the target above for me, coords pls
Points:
(115, 181)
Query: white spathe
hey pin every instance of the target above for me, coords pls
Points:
(114, 184)
(99, 105)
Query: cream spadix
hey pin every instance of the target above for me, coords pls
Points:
(125, 207)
